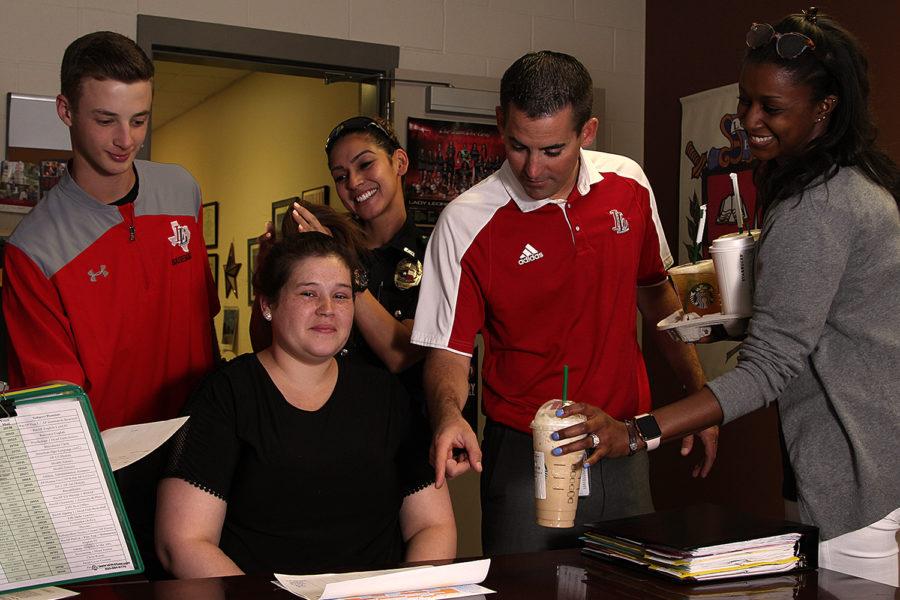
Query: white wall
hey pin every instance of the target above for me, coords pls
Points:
(469, 37)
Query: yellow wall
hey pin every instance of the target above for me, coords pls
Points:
(258, 141)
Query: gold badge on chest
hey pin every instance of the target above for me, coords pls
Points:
(408, 273)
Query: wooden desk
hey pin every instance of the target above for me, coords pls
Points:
(556, 575)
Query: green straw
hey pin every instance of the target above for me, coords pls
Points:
(565, 384)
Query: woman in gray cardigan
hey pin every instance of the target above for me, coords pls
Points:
(824, 339)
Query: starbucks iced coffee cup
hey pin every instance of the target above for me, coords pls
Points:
(734, 257)
(556, 478)
(697, 287)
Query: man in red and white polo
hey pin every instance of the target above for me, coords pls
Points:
(549, 259)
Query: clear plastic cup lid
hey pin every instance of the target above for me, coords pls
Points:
(545, 417)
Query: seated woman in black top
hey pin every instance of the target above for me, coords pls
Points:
(293, 460)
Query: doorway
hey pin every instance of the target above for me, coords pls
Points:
(247, 111)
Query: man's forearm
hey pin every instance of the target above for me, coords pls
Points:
(683, 359)
(447, 387)
(446, 379)
(655, 304)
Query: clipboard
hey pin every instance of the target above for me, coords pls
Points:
(61, 517)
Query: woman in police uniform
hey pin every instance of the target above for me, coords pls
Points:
(367, 164)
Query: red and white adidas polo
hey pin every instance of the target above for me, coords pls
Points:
(547, 283)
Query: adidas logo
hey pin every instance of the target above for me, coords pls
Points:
(529, 254)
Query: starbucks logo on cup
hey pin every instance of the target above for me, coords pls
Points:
(702, 295)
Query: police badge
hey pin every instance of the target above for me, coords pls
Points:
(408, 273)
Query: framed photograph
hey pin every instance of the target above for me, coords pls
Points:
(317, 195)
(211, 224)
(280, 211)
(20, 185)
(214, 268)
(252, 253)
(229, 327)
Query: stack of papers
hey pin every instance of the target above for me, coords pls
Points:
(704, 543)
(426, 582)
(774, 554)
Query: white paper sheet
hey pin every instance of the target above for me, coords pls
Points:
(372, 583)
(47, 593)
(129, 444)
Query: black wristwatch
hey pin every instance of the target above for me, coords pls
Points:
(648, 429)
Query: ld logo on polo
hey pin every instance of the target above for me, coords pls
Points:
(181, 235)
(620, 223)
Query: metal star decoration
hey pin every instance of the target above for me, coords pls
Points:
(231, 272)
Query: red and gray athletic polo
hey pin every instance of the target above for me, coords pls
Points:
(547, 283)
(118, 300)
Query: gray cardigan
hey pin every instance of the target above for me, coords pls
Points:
(824, 341)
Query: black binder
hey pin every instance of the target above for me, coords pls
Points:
(686, 530)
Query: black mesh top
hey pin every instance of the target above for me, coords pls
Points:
(307, 491)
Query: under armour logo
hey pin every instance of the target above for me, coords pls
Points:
(620, 223)
(181, 235)
(95, 274)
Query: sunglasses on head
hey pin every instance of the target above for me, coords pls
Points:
(356, 124)
(788, 45)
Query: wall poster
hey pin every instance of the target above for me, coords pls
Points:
(447, 158)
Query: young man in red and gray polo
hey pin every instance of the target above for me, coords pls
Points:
(106, 283)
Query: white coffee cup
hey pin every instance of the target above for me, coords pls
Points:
(734, 256)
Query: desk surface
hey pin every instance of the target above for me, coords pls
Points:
(560, 575)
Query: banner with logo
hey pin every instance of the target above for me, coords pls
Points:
(713, 145)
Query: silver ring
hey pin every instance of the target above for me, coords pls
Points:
(595, 440)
